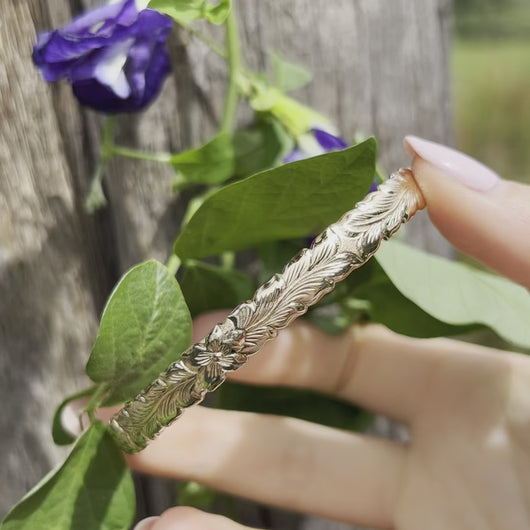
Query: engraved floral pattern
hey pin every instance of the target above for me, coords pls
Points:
(343, 247)
(216, 355)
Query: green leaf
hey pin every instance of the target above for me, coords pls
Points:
(207, 287)
(144, 327)
(293, 402)
(288, 76)
(59, 434)
(92, 490)
(217, 14)
(293, 200)
(274, 256)
(182, 11)
(260, 147)
(457, 294)
(211, 163)
(386, 305)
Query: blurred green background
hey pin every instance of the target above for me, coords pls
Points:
(491, 83)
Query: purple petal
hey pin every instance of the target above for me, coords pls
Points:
(146, 69)
(327, 141)
(294, 155)
(374, 185)
(93, 94)
(88, 32)
(106, 15)
(152, 24)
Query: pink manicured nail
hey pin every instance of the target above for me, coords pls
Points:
(146, 524)
(463, 168)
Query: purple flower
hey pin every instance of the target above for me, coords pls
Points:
(114, 56)
(316, 142)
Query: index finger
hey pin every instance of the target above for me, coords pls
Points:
(479, 213)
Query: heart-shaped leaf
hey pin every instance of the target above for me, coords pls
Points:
(144, 327)
(287, 75)
(290, 201)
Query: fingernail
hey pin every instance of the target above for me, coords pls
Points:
(461, 167)
(146, 524)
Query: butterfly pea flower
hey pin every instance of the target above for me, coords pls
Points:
(114, 56)
(316, 142)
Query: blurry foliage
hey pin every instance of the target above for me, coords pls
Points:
(491, 76)
(492, 18)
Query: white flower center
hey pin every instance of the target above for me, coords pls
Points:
(97, 26)
(141, 4)
(109, 71)
(309, 145)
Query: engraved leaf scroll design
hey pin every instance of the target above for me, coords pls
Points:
(381, 214)
(304, 280)
(156, 407)
(341, 248)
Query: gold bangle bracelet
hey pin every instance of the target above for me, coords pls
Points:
(338, 250)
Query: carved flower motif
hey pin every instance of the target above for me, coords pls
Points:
(217, 355)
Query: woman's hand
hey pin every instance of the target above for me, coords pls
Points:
(467, 464)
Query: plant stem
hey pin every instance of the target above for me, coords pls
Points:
(173, 264)
(140, 155)
(234, 65)
(228, 260)
(95, 400)
(205, 40)
(96, 197)
(108, 138)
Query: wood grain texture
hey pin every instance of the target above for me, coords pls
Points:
(379, 67)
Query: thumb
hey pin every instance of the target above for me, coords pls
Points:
(479, 213)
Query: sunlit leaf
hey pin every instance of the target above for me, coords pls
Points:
(458, 294)
(182, 11)
(287, 75)
(386, 305)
